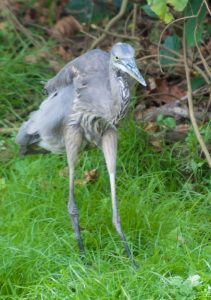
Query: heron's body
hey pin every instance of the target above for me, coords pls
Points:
(74, 100)
(86, 99)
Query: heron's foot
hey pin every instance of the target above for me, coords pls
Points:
(135, 265)
(127, 249)
(117, 225)
(81, 247)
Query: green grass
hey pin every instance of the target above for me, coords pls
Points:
(165, 215)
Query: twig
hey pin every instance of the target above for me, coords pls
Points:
(207, 59)
(126, 21)
(171, 51)
(198, 92)
(163, 94)
(122, 36)
(135, 11)
(206, 67)
(190, 103)
(88, 34)
(201, 72)
(162, 56)
(205, 2)
(111, 23)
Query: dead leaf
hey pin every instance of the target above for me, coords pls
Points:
(66, 54)
(2, 25)
(153, 49)
(91, 175)
(156, 142)
(64, 172)
(151, 127)
(180, 239)
(152, 83)
(65, 28)
(55, 66)
(32, 59)
(166, 93)
(182, 127)
(30, 16)
(139, 111)
(178, 134)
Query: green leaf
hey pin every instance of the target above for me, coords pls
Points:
(166, 121)
(178, 5)
(160, 118)
(149, 11)
(81, 9)
(193, 7)
(194, 25)
(161, 9)
(196, 165)
(173, 43)
(197, 82)
(169, 122)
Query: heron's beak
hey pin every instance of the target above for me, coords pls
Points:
(129, 66)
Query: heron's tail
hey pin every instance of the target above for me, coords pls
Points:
(26, 140)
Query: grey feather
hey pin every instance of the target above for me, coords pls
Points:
(91, 91)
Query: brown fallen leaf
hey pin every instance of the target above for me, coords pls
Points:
(31, 59)
(65, 28)
(64, 172)
(165, 92)
(180, 239)
(30, 16)
(151, 127)
(55, 66)
(152, 83)
(156, 142)
(66, 54)
(91, 175)
(182, 127)
(139, 111)
(3, 25)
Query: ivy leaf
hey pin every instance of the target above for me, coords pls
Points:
(197, 82)
(149, 11)
(171, 42)
(82, 10)
(178, 5)
(160, 8)
(194, 25)
(168, 122)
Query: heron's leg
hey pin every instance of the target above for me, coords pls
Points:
(73, 141)
(109, 147)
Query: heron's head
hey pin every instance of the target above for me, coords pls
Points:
(122, 57)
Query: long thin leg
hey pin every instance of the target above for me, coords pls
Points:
(109, 147)
(73, 140)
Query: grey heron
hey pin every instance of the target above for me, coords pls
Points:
(86, 100)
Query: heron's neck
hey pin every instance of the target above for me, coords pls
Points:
(114, 75)
(120, 93)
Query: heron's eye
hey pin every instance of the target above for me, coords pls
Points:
(116, 57)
